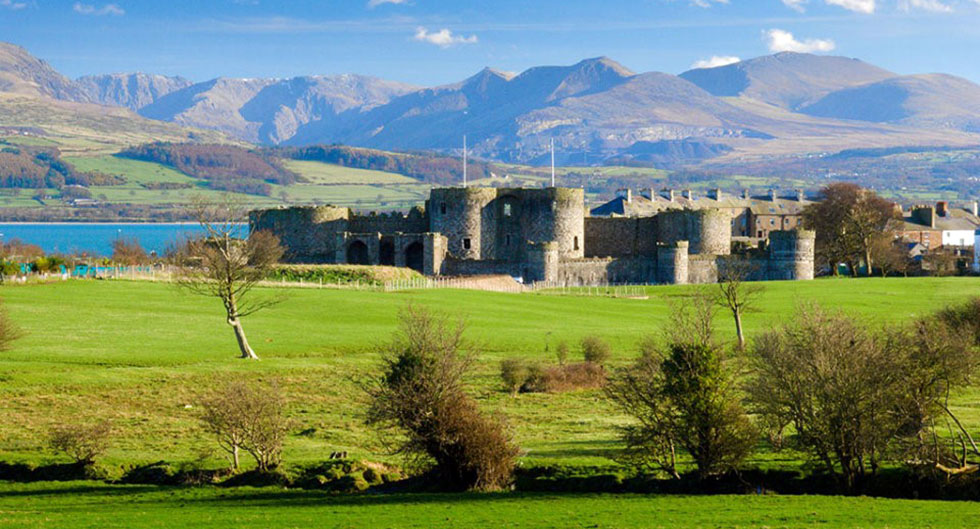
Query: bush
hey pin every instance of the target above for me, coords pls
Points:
(561, 351)
(595, 350)
(515, 373)
(81, 442)
(420, 394)
(249, 417)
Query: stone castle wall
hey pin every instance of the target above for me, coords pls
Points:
(621, 237)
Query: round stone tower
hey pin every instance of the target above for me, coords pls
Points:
(556, 214)
(708, 231)
(457, 213)
(672, 260)
(791, 254)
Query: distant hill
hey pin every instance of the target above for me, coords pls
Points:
(271, 111)
(782, 105)
(788, 80)
(933, 100)
(131, 90)
(22, 73)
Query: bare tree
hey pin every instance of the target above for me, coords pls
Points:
(737, 294)
(227, 263)
(81, 442)
(246, 416)
(128, 252)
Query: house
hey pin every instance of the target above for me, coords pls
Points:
(940, 226)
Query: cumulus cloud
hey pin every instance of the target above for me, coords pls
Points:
(707, 3)
(782, 40)
(936, 6)
(376, 3)
(858, 6)
(442, 38)
(716, 61)
(89, 9)
(10, 4)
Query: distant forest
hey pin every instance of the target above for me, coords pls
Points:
(225, 167)
(37, 168)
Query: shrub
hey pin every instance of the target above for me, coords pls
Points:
(561, 351)
(249, 417)
(515, 373)
(595, 350)
(81, 442)
(420, 393)
(570, 377)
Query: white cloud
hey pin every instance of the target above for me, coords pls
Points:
(375, 3)
(716, 61)
(782, 40)
(89, 9)
(936, 6)
(442, 38)
(707, 3)
(858, 6)
(10, 4)
(796, 5)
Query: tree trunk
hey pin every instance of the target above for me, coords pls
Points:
(738, 329)
(234, 456)
(243, 346)
(867, 259)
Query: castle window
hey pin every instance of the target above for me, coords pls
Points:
(772, 222)
(507, 211)
(575, 242)
(442, 208)
(506, 240)
(466, 244)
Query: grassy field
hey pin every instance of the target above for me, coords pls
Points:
(91, 506)
(139, 353)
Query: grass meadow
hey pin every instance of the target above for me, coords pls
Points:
(140, 353)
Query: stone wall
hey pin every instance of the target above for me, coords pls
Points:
(702, 269)
(672, 263)
(598, 270)
(307, 233)
(621, 237)
(414, 222)
(458, 213)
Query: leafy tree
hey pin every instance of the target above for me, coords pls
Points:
(684, 396)
(420, 395)
(847, 220)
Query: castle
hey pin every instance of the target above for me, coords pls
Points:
(535, 235)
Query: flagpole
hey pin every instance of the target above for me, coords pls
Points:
(464, 160)
(552, 162)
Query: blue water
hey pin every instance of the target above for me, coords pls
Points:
(96, 238)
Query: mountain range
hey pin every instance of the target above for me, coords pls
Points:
(787, 104)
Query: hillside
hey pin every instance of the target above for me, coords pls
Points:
(271, 111)
(787, 80)
(133, 91)
(933, 101)
(22, 73)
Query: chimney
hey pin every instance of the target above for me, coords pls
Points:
(669, 194)
(714, 193)
(745, 194)
(648, 193)
(687, 194)
(626, 194)
(925, 215)
(772, 195)
(941, 208)
(973, 208)
(800, 195)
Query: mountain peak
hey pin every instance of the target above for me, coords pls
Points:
(607, 63)
(23, 73)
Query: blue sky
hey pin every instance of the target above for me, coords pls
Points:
(429, 42)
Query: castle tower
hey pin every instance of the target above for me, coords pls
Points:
(791, 254)
(708, 231)
(672, 261)
(309, 232)
(458, 213)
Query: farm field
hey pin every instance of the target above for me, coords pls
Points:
(83, 505)
(138, 353)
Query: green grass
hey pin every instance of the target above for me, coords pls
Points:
(87, 505)
(326, 174)
(139, 353)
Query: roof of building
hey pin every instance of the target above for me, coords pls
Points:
(642, 206)
(956, 219)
